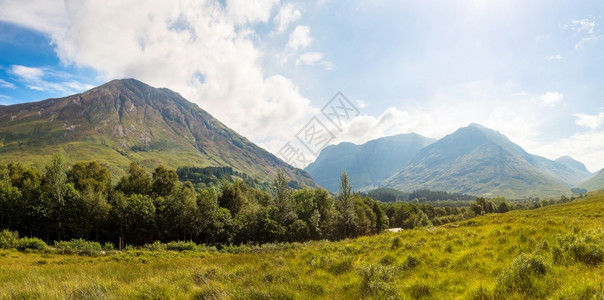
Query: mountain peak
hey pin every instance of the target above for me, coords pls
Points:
(127, 120)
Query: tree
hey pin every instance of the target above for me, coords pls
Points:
(93, 211)
(381, 218)
(90, 175)
(181, 211)
(233, 197)
(137, 181)
(9, 199)
(140, 216)
(421, 220)
(285, 213)
(346, 208)
(164, 181)
(54, 185)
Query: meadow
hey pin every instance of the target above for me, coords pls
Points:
(554, 252)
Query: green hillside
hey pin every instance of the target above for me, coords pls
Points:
(554, 252)
(127, 120)
(594, 183)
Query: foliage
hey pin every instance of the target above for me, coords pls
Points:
(78, 246)
(8, 239)
(31, 243)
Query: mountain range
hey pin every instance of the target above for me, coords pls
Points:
(369, 164)
(124, 121)
(473, 160)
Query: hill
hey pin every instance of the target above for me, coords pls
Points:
(124, 121)
(554, 252)
(480, 161)
(594, 183)
(367, 165)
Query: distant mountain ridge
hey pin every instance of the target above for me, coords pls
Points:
(473, 160)
(479, 161)
(369, 164)
(127, 120)
(594, 183)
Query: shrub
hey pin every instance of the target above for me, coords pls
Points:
(108, 246)
(155, 246)
(388, 260)
(520, 277)
(557, 254)
(341, 267)
(377, 281)
(181, 246)
(411, 262)
(587, 253)
(8, 239)
(396, 242)
(419, 290)
(78, 246)
(31, 243)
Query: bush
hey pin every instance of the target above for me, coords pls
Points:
(108, 246)
(377, 281)
(31, 243)
(388, 260)
(420, 290)
(155, 246)
(79, 246)
(8, 239)
(411, 262)
(341, 267)
(181, 246)
(396, 242)
(587, 253)
(520, 277)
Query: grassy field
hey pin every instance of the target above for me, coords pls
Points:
(555, 252)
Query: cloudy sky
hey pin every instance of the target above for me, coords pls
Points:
(533, 70)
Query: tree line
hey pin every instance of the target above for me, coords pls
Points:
(63, 203)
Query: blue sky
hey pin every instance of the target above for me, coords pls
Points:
(532, 70)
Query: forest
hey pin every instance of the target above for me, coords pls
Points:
(80, 201)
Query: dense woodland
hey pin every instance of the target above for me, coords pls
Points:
(61, 203)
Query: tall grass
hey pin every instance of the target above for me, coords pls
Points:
(553, 252)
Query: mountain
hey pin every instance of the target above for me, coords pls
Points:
(480, 161)
(594, 183)
(124, 121)
(577, 172)
(367, 165)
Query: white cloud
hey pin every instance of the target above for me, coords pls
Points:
(41, 15)
(299, 38)
(590, 121)
(553, 57)
(583, 25)
(34, 79)
(246, 11)
(362, 104)
(174, 43)
(313, 59)
(551, 98)
(587, 29)
(27, 73)
(287, 15)
(6, 84)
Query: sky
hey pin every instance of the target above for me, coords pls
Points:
(272, 70)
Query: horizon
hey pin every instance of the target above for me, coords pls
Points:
(428, 68)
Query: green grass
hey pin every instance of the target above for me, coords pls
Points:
(554, 252)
